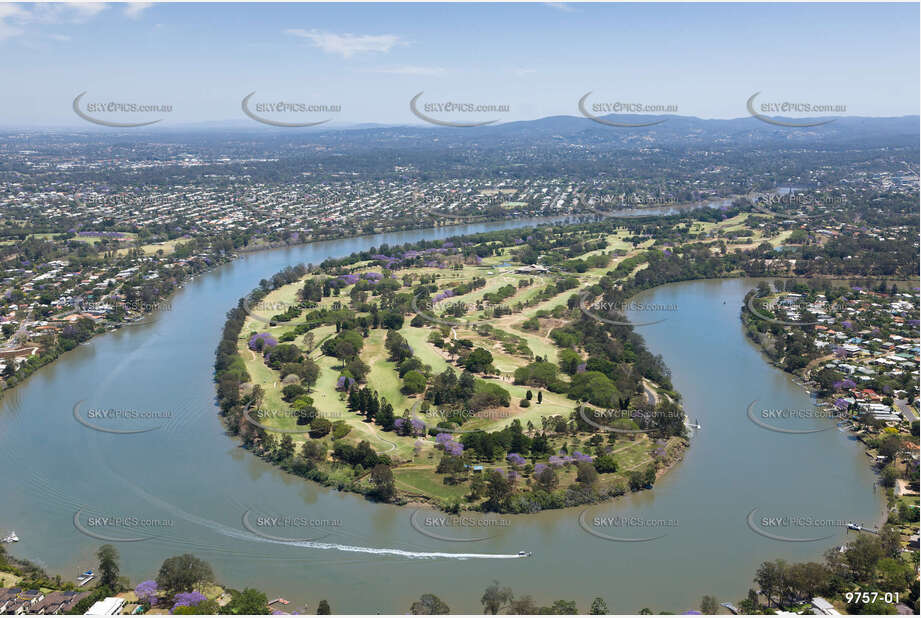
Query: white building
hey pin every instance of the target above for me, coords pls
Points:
(109, 606)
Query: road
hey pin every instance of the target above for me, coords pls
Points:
(905, 410)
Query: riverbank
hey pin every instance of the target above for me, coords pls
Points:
(167, 365)
(856, 351)
(396, 366)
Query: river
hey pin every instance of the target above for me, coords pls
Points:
(195, 483)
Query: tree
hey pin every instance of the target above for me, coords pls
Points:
(478, 361)
(208, 607)
(429, 605)
(184, 573)
(286, 447)
(605, 464)
(587, 475)
(523, 606)
(494, 597)
(108, 566)
(413, 382)
(709, 605)
(319, 427)
(248, 602)
(599, 607)
(862, 556)
(547, 479)
(890, 541)
(750, 604)
(540, 396)
(894, 574)
(453, 466)
(561, 608)
(498, 489)
(769, 577)
(382, 478)
(323, 608)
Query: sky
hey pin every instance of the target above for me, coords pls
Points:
(537, 60)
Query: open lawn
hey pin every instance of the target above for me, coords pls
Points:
(425, 481)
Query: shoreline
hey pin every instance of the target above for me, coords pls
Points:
(810, 388)
(325, 476)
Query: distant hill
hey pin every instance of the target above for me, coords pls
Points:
(686, 130)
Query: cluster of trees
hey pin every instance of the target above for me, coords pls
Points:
(870, 562)
(497, 598)
(178, 584)
(376, 409)
(465, 394)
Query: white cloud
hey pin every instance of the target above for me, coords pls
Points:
(347, 45)
(409, 70)
(562, 6)
(10, 14)
(60, 37)
(15, 18)
(523, 72)
(134, 9)
(59, 13)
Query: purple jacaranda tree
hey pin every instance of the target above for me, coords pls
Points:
(147, 591)
(187, 599)
(267, 341)
(344, 383)
(515, 459)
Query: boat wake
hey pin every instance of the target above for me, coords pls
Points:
(248, 536)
